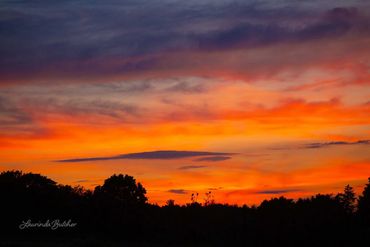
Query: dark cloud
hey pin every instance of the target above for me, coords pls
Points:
(326, 144)
(314, 145)
(82, 181)
(178, 191)
(213, 158)
(74, 39)
(190, 167)
(277, 191)
(334, 23)
(149, 155)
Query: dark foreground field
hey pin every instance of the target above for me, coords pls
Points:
(36, 211)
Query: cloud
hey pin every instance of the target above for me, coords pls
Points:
(102, 40)
(191, 167)
(334, 143)
(187, 87)
(276, 191)
(83, 181)
(178, 191)
(213, 158)
(14, 120)
(335, 22)
(170, 154)
(314, 145)
(11, 114)
(94, 108)
(97, 103)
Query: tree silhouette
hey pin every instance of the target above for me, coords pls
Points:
(16, 186)
(118, 209)
(26, 180)
(347, 199)
(33, 196)
(123, 189)
(364, 204)
(118, 205)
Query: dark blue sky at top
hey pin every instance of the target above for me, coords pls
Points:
(70, 38)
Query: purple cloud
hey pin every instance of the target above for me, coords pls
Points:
(213, 158)
(178, 191)
(168, 154)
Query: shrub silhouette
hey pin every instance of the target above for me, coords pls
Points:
(170, 203)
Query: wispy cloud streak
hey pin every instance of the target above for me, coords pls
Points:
(213, 158)
(149, 155)
(327, 144)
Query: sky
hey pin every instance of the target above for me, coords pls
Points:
(246, 99)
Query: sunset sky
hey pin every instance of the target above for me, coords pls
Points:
(247, 99)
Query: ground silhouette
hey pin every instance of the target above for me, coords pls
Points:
(118, 211)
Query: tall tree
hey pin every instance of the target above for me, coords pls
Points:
(364, 204)
(347, 199)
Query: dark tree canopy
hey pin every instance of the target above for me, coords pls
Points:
(124, 189)
(26, 180)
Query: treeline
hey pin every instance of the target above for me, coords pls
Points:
(118, 210)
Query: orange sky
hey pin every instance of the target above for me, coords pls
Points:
(269, 130)
(286, 94)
